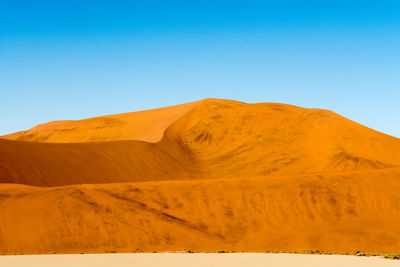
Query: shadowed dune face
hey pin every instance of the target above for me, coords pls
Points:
(44, 164)
(220, 175)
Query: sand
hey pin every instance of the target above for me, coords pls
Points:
(147, 125)
(195, 260)
(214, 139)
(333, 212)
(206, 176)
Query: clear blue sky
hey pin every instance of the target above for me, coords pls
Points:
(77, 59)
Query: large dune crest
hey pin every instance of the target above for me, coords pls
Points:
(231, 138)
(208, 175)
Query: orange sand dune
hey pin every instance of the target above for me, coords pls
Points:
(206, 176)
(44, 164)
(231, 138)
(147, 125)
(215, 139)
(343, 212)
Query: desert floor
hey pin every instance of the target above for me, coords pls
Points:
(197, 259)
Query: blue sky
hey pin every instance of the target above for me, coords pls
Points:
(77, 59)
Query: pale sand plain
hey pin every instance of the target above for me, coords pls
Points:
(194, 260)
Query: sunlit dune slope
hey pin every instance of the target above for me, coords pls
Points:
(332, 212)
(231, 138)
(147, 125)
(200, 140)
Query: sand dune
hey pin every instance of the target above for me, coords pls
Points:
(231, 138)
(334, 212)
(206, 176)
(44, 164)
(215, 139)
(147, 125)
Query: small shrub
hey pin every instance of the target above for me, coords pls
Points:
(392, 256)
(310, 251)
(359, 253)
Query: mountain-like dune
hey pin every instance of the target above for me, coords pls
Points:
(209, 175)
(215, 139)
